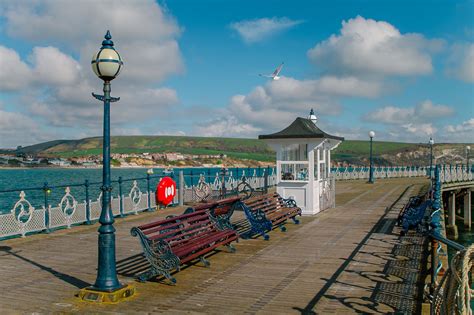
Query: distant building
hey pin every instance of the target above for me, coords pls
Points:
(174, 156)
(60, 162)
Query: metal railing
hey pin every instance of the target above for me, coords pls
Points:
(133, 195)
(380, 172)
(455, 173)
(437, 239)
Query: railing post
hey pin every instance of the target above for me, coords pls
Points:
(434, 264)
(88, 204)
(148, 191)
(265, 181)
(181, 188)
(46, 191)
(120, 181)
(223, 192)
(193, 192)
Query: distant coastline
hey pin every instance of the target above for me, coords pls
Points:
(10, 167)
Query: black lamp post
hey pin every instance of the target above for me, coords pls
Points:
(371, 169)
(431, 142)
(106, 64)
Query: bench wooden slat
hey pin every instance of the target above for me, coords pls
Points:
(267, 211)
(170, 242)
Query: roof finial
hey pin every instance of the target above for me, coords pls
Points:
(312, 116)
(107, 42)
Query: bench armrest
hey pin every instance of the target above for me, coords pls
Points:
(158, 252)
(289, 202)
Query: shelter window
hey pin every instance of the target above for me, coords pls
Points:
(295, 152)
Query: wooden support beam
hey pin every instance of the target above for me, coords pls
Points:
(467, 209)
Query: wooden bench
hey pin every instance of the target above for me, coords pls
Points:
(268, 211)
(220, 211)
(169, 243)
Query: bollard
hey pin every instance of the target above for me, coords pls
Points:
(88, 202)
(181, 188)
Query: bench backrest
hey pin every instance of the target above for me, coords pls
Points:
(179, 229)
(267, 203)
(219, 207)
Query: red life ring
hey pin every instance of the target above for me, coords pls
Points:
(165, 191)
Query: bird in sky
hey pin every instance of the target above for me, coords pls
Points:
(275, 75)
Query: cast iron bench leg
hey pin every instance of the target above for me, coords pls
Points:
(295, 220)
(231, 248)
(153, 272)
(206, 263)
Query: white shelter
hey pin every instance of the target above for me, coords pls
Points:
(303, 154)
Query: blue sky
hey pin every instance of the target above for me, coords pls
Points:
(402, 68)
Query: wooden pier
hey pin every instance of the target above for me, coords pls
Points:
(347, 259)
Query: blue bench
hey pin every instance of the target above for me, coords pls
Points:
(268, 211)
(413, 216)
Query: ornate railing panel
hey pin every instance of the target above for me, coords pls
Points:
(22, 219)
(347, 173)
(455, 173)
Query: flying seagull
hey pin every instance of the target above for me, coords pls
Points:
(275, 74)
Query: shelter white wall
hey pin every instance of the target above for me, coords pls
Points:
(305, 192)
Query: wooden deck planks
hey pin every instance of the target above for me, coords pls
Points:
(331, 263)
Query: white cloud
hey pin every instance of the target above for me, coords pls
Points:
(51, 66)
(143, 33)
(252, 31)
(62, 110)
(461, 62)
(226, 127)
(391, 115)
(59, 85)
(467, 125)
(277, 103)
(409, 115)
(19, 129)
(427, 109)
(463, 132)
(410, 123)
(420, 130)
(14, 73)
(74, 22)
(369, 47)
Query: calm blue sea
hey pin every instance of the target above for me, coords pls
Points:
(22, 179)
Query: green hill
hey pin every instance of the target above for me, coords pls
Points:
(252, 149)
(349, 151)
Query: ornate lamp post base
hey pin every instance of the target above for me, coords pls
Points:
(91, 294)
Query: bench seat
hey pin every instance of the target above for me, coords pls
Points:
(267, 211)
(169, 243)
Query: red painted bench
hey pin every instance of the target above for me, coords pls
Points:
(169, 243)
(219, 211)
